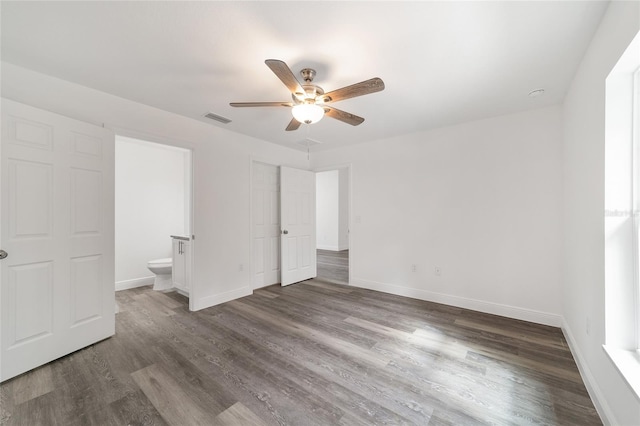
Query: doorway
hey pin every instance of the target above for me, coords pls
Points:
(152, 203)
(332, 217)
(332, 231)
(283, 225)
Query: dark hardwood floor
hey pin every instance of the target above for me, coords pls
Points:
(312, 353)
(333, 266)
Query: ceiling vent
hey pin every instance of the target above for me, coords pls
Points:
(216, 117)
(308, 142)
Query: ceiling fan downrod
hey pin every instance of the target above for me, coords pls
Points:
(308, 74)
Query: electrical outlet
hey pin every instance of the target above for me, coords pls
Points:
(413, 267)
(437, 271)
(241, 267)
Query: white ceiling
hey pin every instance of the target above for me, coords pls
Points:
(442, 62)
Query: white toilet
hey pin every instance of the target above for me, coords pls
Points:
(162, 269)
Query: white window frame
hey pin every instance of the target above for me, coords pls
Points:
(636, 204)
(622, 216)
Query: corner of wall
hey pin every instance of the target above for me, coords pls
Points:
(596, 394)
(133, 283)
(217, 299)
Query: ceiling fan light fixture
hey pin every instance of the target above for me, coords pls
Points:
(307, 113)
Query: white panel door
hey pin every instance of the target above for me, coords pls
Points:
(265, 225)
(57, 209)
(298, 223)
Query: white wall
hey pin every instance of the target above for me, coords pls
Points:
(327, 210)
(584, 201)
(481, 201)
(152, 190)
(222, 169)
(332, 209)
(343, 208)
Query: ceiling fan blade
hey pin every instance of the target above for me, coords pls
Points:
(284, 73)
(293, 125)
(261, 104)
(363, 88)
(345, 117)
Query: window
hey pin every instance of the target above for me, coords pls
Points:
(622, 215)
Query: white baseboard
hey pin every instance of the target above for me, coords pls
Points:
(216, 299)
(593, 389)
(136, 282)
(508, 311)
(323, 247)
(185, 293)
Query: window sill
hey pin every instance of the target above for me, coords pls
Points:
(628, 364)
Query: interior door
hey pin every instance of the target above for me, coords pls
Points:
(57, 208)
(265, 224)
(298, 223)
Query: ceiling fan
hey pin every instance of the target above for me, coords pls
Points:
(310, 101)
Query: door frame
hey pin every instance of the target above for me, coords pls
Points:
(349, 167)
(146, 137)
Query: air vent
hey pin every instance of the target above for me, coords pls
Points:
(308, 142)
(216, 117)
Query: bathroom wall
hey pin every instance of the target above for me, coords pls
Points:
(152, 193)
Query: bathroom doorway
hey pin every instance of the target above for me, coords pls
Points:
(153, 201)
(333, 206)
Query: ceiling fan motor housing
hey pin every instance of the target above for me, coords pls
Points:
(311, 92)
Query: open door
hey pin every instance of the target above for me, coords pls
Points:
(265, 225)
(57, 206)
(298, 223)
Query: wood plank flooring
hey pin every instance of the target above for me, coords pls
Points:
(333, 266)
(313, 353)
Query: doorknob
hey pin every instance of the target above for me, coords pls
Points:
(3, 254)
(285, 232)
